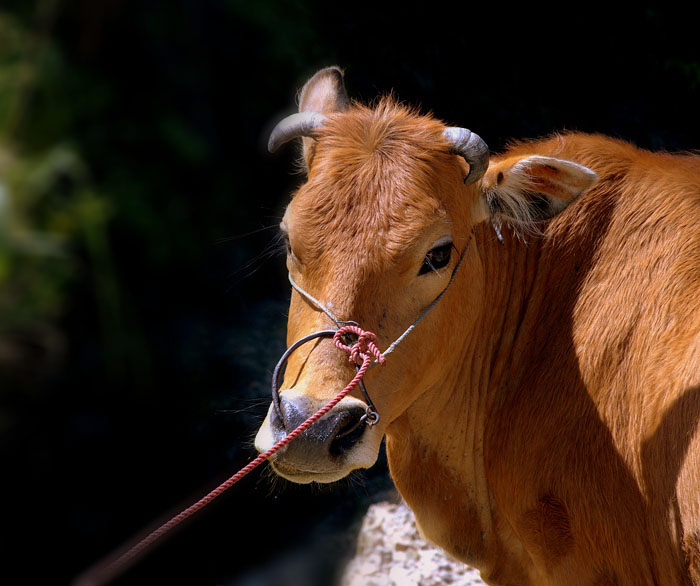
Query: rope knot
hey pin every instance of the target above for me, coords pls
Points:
(363, 349)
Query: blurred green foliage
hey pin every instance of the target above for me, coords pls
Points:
(50, 213)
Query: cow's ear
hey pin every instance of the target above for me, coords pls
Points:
(524, 191)
(324, 93)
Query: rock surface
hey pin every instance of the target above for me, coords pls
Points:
(390, 552)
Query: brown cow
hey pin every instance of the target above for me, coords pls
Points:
(543, 420)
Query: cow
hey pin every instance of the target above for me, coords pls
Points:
(543, 420)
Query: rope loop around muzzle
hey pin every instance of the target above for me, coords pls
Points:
(361, 351)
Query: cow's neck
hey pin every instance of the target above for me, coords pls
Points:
(436, 449)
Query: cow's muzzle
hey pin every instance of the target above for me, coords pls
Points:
(330, 437)
(328, 450)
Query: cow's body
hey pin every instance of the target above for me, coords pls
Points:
(544, 422)
(568, 450)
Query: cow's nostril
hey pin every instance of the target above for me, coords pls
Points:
(350, 428)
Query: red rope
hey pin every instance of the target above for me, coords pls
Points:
(361, 353)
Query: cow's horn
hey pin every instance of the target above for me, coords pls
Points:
(294, 126)
(472, 147)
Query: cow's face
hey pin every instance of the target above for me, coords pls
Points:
(376, 242)
(375, 234)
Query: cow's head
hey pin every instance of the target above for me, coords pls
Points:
(390, 203)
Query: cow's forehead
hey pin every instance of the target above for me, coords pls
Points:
(377, 175)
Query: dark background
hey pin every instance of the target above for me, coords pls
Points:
(142, 286)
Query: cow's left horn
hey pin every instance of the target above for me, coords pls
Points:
(471, 146)
(294, 126)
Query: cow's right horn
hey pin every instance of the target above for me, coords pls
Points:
(294, 126)
(472, 147)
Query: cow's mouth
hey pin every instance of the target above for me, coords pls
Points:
(301, 476)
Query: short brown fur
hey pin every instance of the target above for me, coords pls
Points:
(552, 399)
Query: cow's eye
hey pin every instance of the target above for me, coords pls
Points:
(437, 258)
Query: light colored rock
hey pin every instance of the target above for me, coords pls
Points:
(390, 552)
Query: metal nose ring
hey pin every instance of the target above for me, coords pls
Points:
(371, 417)
(277, 373)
